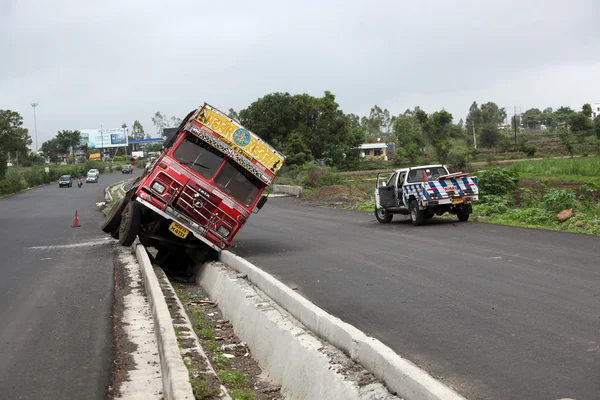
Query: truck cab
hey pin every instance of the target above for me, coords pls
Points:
(201, 190)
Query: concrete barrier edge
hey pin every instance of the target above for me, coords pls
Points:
(175, 377)
(399, 374)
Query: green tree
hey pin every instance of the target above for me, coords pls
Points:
(13, 137)
(597, 126)
(474, 119)
(587, 110)
(406, 130)
(160, 121)
(490, 136)
(532, 118)
(298, 151)
(567, 139)
(233, 114)
(378, 120)
(437, 129)
(68, 140)
(51, 148)
(137, 131)
(327, 132)
(562, 114)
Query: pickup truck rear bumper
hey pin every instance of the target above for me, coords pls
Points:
(451, 201)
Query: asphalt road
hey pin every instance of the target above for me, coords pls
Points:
(56, 294)
(495, 312)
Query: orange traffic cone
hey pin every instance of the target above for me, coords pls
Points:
(76, 221)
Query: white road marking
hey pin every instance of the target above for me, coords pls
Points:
(90, 243)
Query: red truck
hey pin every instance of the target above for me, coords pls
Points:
(202, 188)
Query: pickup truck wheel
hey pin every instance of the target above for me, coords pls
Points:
(130, 223)
(113, 219)
(383, 216)
(463, 216)
(115, 234)
(416, 216)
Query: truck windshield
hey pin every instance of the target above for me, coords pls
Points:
(238, 183)
(416, 175)
(199, 156)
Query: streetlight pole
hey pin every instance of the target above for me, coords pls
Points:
(34, 105)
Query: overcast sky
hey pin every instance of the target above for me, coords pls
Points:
(89, 63)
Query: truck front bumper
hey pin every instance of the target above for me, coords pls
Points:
(174, 215)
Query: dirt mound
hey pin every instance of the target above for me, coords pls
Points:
(343, 194)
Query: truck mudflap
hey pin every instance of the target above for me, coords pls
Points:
(173, 215)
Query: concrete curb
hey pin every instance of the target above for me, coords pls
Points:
(286, 189)
(175, 377)
(289, 355)
(399, 374)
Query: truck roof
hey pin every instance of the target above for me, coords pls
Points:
(418, 167)
(240, 139)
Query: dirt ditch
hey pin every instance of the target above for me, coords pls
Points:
(230, 358)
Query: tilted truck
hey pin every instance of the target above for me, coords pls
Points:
(202, 188)
(423, 192)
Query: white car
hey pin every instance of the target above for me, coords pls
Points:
(93, 172)
(91, 178)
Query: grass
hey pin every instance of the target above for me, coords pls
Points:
(560, 168)
(236, 382)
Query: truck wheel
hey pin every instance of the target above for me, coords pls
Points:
(113, 219)
(115, 234)
(462, 215)
(130, 223)
(416, 216)
(383, 216)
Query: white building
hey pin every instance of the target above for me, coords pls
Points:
(595, 110)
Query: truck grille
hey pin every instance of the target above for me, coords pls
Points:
(201, 209)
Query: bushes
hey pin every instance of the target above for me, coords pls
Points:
(12, 182)
(559, 199)
(498, 181)
(17, 179)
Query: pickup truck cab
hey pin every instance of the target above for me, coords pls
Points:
(423, 192)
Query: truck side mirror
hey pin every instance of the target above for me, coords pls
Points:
(261, 202)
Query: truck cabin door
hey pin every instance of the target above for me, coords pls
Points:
(387, 193)
(399, 186)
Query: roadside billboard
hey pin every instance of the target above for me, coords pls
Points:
(104, 138)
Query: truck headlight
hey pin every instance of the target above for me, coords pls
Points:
(223, 231)
(160, 188)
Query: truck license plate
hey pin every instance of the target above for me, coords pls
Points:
(457, 200)
(178, 230)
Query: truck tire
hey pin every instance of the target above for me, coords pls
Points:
(463, 215)
(113, 219)
(130, 223)
(383, 216)
(416, 216)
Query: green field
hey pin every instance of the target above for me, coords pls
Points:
(567, 170)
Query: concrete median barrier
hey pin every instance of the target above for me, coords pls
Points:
(400, 375)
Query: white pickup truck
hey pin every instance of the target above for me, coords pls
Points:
(423, 192)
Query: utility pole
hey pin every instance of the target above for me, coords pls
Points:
(34, 105)
(515, 121)
(474, 138)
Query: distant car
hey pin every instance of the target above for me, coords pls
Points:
(127, 169)
(91, 178)
(65, 181)
(94, 172)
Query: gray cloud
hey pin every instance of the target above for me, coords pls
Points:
(90, 64)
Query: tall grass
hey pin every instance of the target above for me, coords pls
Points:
(581, 166)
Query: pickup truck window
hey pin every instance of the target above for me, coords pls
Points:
(238, 183)
(416, 175)
(197, 155)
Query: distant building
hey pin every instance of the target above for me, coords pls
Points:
(595, 110)
(374, 150)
